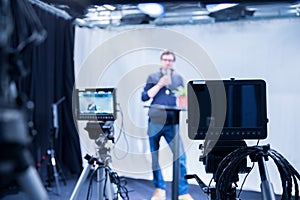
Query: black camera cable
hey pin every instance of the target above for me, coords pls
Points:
(242, 185)
(121, 132)
(229, 164)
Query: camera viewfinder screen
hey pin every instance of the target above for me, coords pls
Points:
(231, 109)
(96, 104)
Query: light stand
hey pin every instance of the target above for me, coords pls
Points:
(54, 170)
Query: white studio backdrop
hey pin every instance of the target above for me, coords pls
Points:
(265, 49)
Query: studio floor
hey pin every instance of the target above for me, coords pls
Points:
(138, 189)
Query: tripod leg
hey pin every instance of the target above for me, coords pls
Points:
(62, 175)
(60, 172)
(80, 182)
(109, 188)
(266, 186)
(56, 176)
(105, 187)
(100, 182)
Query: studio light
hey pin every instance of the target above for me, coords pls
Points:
(218, 7)
(230, 13)
(152, 9)
(109, 7)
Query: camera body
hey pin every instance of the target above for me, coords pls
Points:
(224, 113)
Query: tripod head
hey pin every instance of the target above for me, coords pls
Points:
(101, 132)
(213, 154)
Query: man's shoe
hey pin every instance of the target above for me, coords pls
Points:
(185, 197)
(159, 194)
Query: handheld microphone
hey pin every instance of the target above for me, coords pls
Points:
(168, 73)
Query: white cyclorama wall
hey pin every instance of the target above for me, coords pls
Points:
(266, 49)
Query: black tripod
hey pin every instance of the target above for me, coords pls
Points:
(54, 171)
(109, 184)
(100, 132)
(228, 169)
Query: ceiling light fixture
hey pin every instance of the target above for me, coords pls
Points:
(152, 9)
(109, 7)
(218, 7)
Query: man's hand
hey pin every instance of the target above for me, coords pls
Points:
(164, 81)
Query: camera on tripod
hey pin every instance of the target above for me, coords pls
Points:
(224, 113)
(98, 107)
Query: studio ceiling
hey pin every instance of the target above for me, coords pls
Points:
(99, 13)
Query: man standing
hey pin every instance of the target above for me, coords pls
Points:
(159, 87)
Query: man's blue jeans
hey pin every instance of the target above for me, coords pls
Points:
(155, 132)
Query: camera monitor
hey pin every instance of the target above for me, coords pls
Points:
(227, 109)
(96, 104)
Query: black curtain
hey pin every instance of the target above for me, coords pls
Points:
(51, 77)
